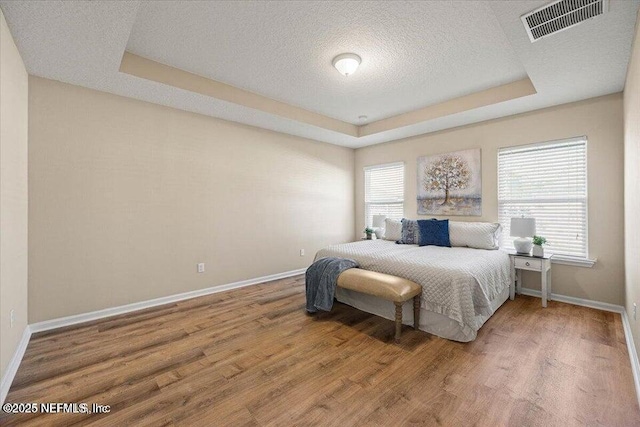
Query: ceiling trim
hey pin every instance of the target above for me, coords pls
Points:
(151, 70)
(148, 69)
(483, 98)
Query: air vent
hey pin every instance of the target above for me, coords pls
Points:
(560, 15)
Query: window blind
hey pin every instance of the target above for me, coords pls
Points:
(383, 191)
(548, 182)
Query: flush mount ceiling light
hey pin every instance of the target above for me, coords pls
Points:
(346, 63)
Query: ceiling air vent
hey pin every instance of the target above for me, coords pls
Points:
(560, 15)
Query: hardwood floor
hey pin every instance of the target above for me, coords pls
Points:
(253, 357)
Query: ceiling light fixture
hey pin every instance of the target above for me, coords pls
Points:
(346, 63)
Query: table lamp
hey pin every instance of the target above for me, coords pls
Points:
(378, 225)
(523, 228)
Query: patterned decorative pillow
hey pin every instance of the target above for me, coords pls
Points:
(410, 232)
(392, 229)
(434, 232)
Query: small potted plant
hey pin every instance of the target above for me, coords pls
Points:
(538, 251)
(369, 232)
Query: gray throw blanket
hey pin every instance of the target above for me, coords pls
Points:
(321, 279)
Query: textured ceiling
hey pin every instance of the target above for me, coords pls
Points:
(414, 54)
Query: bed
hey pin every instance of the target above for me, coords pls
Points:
(462, 287)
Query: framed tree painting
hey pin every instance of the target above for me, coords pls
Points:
(450, 184)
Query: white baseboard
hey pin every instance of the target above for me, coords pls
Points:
(631, 348)
(113, 311)
(12, 367)
(47, 325)
(633, 354)
(604, 306)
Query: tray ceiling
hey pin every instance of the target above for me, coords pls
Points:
(426, 66)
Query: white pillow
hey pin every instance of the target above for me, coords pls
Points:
(392, 229)
(478, 235)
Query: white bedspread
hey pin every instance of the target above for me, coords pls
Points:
(459, 283)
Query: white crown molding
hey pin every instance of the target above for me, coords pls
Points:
(123, 309)
(14, 364)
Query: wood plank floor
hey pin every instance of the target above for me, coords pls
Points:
(253, 357)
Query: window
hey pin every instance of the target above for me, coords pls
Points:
(548, 182)
(383, 191)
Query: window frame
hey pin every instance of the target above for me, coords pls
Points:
(365, 169)
(585, 261)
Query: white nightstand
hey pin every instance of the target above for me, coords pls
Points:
(542, 265)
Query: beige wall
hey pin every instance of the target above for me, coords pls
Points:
(599, 118)
(13, 195)
(632, 184)
(126, 197)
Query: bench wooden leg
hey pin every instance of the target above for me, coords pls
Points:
(398, 320)
(416, 312)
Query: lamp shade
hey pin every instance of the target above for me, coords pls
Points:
(523, 227)
(346, 63)
(378, 221)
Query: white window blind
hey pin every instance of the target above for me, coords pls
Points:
(548, 182)
(383, 191)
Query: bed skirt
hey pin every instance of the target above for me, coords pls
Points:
(433, 323)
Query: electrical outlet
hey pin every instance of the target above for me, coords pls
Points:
(635, 311)
(12, 317)
(301, 252)
(201, 267)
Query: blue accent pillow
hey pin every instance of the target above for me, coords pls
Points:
(434, 232)
(410, 232)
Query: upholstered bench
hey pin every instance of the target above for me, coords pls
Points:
(387, 287)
